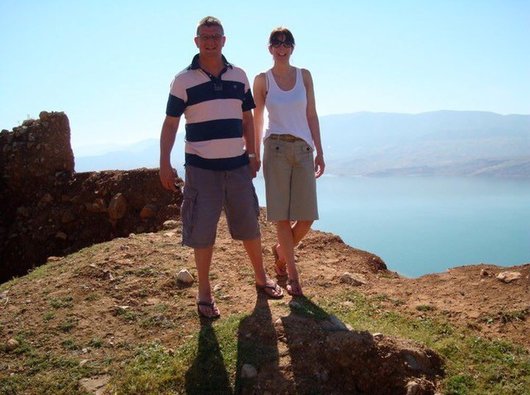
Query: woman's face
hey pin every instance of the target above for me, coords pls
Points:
(280, 48)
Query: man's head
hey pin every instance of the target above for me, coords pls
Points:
(210, 37)
(209, 21)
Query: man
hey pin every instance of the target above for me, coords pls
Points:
(220, 158)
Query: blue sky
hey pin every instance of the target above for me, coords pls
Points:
(108, 64)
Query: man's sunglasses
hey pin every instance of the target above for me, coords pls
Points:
(277, 43)
(214, 37)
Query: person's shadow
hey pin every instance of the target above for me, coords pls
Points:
(257, 351)
(258, 359)
(304, 351)
(207, 374)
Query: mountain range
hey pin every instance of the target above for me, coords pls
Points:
(449, 143)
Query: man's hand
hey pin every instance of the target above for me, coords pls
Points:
(255, 165)
(168, 177)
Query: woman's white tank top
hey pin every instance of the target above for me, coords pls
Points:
(287, 109)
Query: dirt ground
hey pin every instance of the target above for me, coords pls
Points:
(469, 296)
(125, 292)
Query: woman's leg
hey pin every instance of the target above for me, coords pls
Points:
(285, 237)
(298, 230)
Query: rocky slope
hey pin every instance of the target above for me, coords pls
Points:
(95, 307)
(125, 293)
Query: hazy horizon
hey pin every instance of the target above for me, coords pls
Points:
(101, 148)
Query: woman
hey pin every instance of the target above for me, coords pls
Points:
(291, 138)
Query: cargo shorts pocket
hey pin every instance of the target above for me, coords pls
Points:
(187, 213)
(256, 202)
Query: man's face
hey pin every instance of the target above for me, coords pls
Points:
(210, 40)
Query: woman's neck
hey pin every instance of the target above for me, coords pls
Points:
(282, 68)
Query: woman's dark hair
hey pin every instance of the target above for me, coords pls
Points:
(277, 33)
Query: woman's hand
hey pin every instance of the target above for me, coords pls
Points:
(319, 165)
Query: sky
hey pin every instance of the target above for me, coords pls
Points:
(108, 64)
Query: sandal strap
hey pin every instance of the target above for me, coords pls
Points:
(212, 306)
(208, 304)
(272, 286)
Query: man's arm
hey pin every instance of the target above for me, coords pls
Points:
(167, 140)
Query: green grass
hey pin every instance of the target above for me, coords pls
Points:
(49, 315)
(34, 274)
(505, 317)
(473, 365)
(95, 342)
(424, 307)
(68, 324)
(127, 314)
(70, 344)
(58, 303)
(43, 373)
(209, 360)
(92, 297)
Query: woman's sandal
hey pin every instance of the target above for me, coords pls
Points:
(279, 266)
(272, 290)
(294, 288)
(214, 311)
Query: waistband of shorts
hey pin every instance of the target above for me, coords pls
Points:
(285, 137)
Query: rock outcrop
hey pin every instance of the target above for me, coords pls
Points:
(48, 209)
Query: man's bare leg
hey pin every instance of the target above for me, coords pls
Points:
(203, 260)
(254, 252)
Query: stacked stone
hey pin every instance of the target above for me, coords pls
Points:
(48, 210)
(36, 154)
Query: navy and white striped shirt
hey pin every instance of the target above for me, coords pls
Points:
(213, 108)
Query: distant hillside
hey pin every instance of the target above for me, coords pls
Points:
(435, 143)
(126, 157)
(461, 143)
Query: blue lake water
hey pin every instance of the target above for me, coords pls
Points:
(426, 225)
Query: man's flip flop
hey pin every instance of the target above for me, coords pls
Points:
(272, 290)
(213, 309)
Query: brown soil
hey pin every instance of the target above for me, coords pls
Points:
(115, 293)
(469, 296)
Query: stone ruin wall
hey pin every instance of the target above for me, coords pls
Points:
(47, 209)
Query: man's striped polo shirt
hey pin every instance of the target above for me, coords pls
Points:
(213, 108)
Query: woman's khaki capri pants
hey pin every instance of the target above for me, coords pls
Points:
(290, 183)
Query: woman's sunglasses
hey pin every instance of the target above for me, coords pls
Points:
(277, 43)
